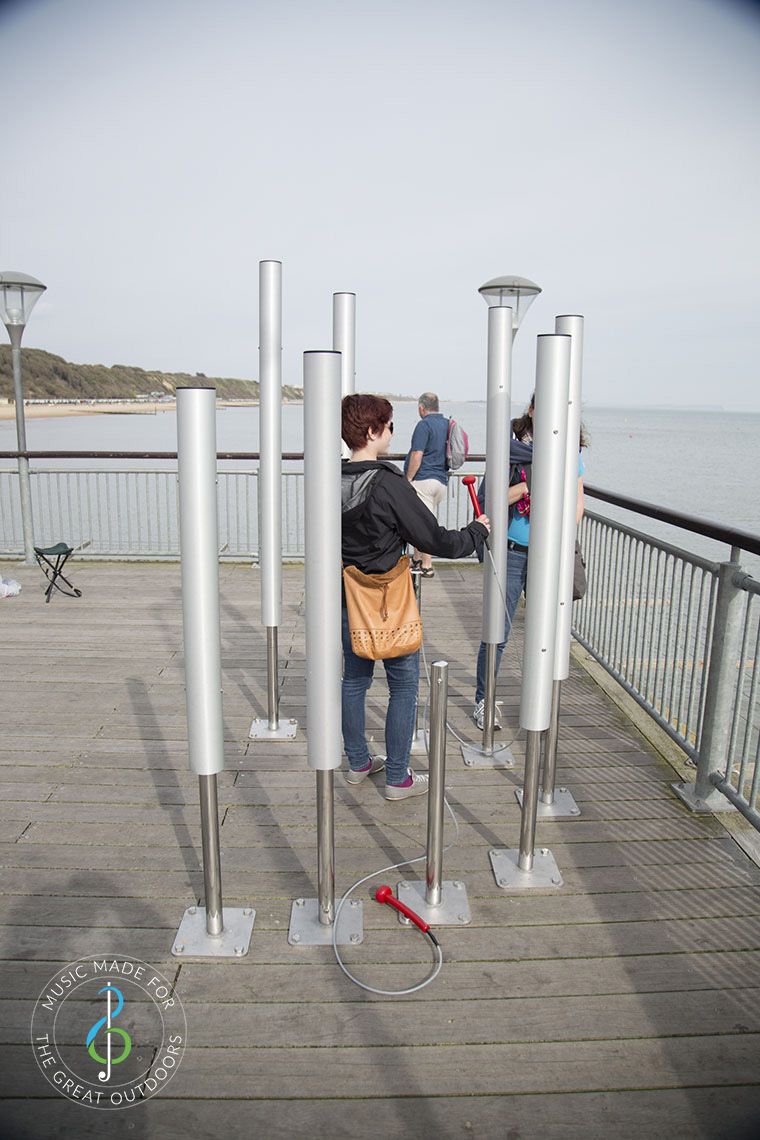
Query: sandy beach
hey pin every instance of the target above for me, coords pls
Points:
(126, 408)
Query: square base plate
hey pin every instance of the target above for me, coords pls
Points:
(564, 804)
(715, 802)
(543, 875)
(260, 730)
(193, 941)
(307, 930)
(453, 910)
(474, 756)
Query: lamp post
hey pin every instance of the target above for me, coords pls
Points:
(19, 294)
(508, 299)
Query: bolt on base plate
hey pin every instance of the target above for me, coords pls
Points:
(564, 804)
(474, 756)
(260, 730)
(716, 802)
(307, 930)
(194, 941)
(453, 909)
(544, 874)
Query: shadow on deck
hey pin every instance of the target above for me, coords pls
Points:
(625, 1004)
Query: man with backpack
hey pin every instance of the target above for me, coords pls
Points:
(426, 467)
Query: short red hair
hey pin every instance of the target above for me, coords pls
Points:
(362, 414)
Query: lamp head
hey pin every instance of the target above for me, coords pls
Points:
(19, 293)
(515, 292)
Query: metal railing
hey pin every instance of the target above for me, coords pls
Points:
(681, 634)
(133, 514)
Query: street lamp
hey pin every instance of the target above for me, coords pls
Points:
(19, 293)
(517, 293)
(508, 299)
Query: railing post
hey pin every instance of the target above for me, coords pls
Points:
(720, 696)
(498, 434)
(312, 920)
(527, 868)
(270, 492)
(439, 903)
(211, 931)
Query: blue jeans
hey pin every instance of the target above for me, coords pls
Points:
(517, 572)
(403, 676)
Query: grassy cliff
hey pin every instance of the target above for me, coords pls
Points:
(51, 377)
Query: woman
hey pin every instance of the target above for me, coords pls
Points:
(381, 514)
(518, 537)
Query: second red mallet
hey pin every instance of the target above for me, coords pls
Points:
(469, 482)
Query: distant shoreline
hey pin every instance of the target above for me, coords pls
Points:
(38, 411)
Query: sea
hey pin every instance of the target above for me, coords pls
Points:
(703, 463)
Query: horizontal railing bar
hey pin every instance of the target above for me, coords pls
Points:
(659, 544)
(729, 535)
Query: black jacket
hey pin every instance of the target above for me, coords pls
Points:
(382, 511)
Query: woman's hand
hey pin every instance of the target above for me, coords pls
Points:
(484, 519)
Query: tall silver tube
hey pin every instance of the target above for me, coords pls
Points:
(549, 444)
(323, 601)
(571, 326)
(497, 469)
(199, 546)
(439, 693)
(323, 557)
(270, 441)
(24, 480)
(326, 847)
(212, 860)
(344, 339)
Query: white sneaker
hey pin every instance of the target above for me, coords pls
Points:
(377, 763)
(478, 715)
(418, 787)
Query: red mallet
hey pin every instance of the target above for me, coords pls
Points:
(469, 482)
(385, 895)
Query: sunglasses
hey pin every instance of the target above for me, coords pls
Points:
(390, 426)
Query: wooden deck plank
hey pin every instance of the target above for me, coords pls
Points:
(623, 1005)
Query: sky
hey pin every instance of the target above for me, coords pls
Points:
(404, 150)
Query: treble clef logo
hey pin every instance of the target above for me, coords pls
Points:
(109, 1060)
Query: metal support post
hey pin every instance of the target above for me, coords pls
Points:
(209, 931)
(526, 868)
(553, 802)
(557, 803)
(312, 920)
(419, 742)
(720, 697)
(439, 903)
(498, 412)
(326, 847)
(270, 491)
(24, 479)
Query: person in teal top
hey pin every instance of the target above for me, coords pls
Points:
(518, 538)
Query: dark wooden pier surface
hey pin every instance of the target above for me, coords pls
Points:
(623, 1005)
